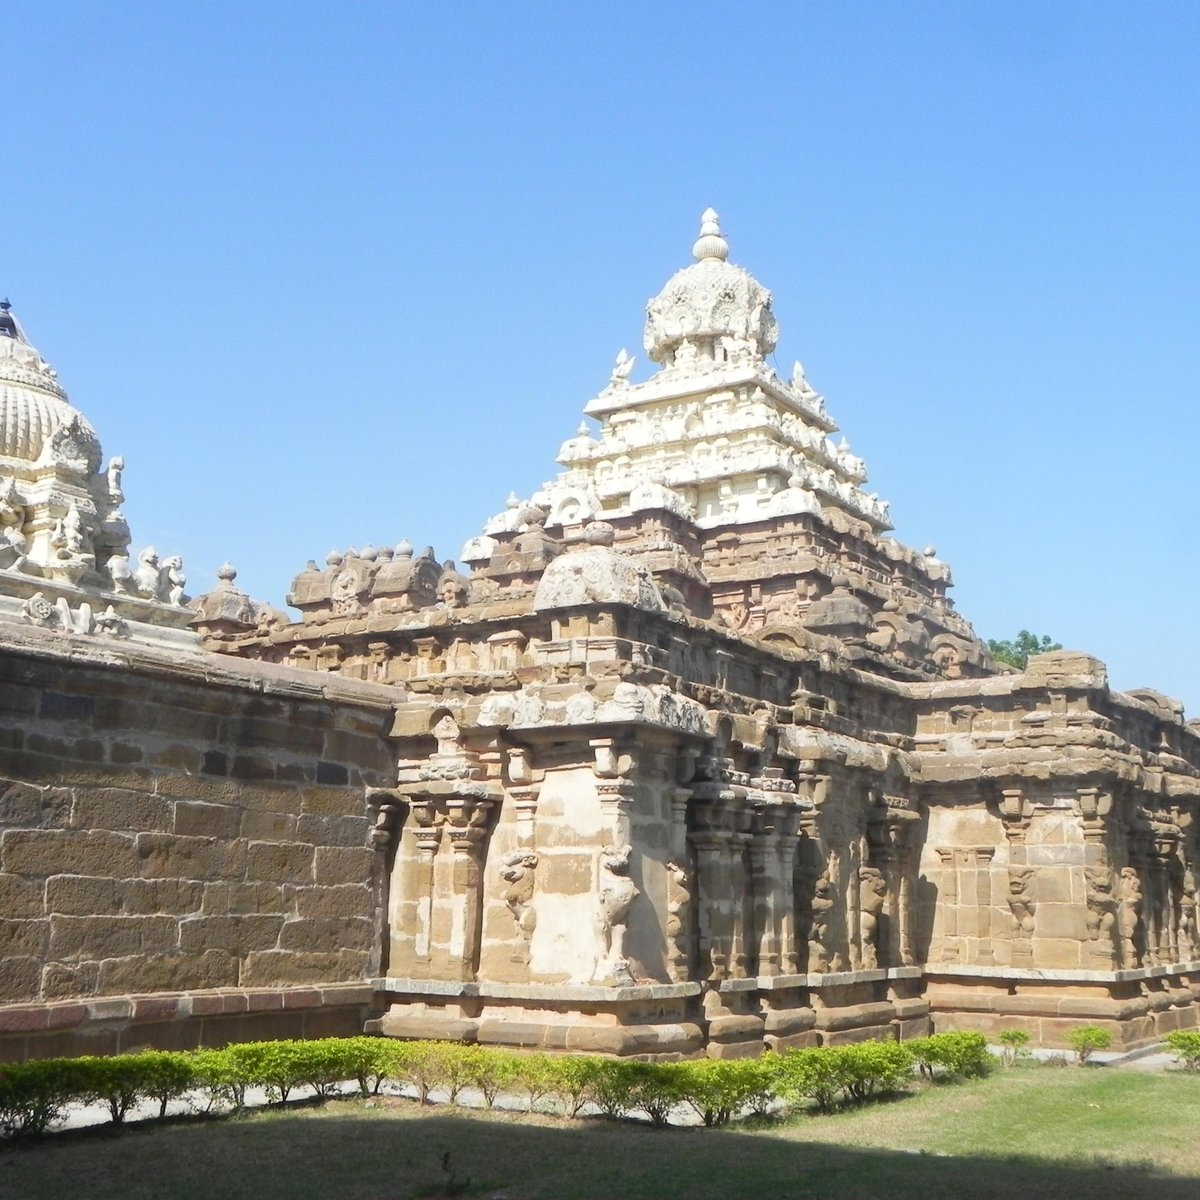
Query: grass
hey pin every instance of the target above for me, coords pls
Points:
(1028, 1133)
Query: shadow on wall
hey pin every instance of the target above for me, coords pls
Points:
(925, 910)
(367, 1155)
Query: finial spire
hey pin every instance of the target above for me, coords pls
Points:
(8, 322)
(710, 243)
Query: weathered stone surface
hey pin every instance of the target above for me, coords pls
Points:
(207, 820)
(334, 865)
(35, 852)
(345, 900)
(84, 895)
(238, 934)
(281, 862)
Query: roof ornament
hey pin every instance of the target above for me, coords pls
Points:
(710, 243)
(8, 323)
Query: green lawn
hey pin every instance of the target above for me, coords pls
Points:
(1018, 1135)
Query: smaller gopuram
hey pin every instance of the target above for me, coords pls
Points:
(64, 542)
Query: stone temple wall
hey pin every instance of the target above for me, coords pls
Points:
(184, 848)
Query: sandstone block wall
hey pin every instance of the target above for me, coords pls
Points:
(177, 828)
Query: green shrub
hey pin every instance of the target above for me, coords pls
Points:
(1086, 1039)
(325, 1063)
(456, 1066)
(718, 1089)
(612, 1087)
(420, 1065)
(832, 1075)
(370, 1061)
(949, 1056)
(276, 1067)
(1014, 1043)
(1185, 1044)
(34, 1095)
(491, 1071)
(536, 1076)
(816, 1074)
(219, 1079)
(117, 1081)
(572, 1080)
(655, 1089)
(874, 1069)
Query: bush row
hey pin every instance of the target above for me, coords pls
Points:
(35, 1095)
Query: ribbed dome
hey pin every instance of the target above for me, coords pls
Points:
(33, 405)
(709, 300)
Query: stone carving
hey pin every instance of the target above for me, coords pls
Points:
(872, 893)
(822, 907)
(113, 479)
(13, 542)
(597, 575)
(679, 917)
(1101, 906)
(172, 578)
(622, 369)
(146, 577)
(517, 871)
(616, 893)
(1187, 916)
(38, 610)
(1131, 917)
(1021, 899)
(453, 587)
(152, 580)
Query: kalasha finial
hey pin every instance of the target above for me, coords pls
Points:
(227, 572)
(5, 305)
(710, 243)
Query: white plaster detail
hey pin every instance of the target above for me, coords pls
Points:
(597, 575)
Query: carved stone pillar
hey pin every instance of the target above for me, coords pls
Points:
(388, 808)
(614, 787)
(814, 895)
(766, 885)
(1166, 842)
(1095, 808)
(427, 834)
(788, 846)
(681, 886)
(467, 820)
(947, 947)
(711, 846)
(1188, 933)
(523, 793)
(741, 943)
(1016, 812)
(889, 825)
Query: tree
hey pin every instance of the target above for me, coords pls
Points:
(1016, 653)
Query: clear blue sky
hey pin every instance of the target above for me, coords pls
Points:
(335, 273)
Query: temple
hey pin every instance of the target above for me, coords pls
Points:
(688, 757)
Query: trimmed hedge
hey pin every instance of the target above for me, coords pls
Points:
(1185, 1044)
(36, 1095)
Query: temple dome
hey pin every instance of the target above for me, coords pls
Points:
(710, 300)
(33, 405)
